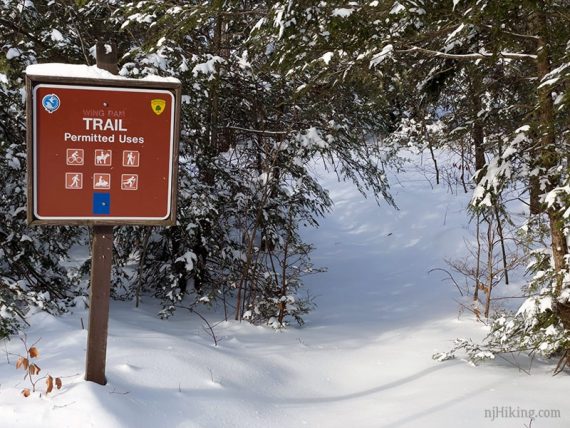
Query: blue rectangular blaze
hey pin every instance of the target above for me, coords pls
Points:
(102, 203)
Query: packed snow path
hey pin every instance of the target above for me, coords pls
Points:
(363, 359)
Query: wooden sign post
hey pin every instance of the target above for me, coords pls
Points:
(102, 152)
(101, 268)
(101, 265)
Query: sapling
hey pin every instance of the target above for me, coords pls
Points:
(28, 364)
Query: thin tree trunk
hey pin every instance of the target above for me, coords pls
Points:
(214, 96)
(283, 300)
(463, 162)
(144, 246)
(549, 158)
(490, 272)
(478, 265)
(433, 158)
(502, 242)
(534, 197)
(477, 134)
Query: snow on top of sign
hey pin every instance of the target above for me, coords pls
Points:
(85, 71)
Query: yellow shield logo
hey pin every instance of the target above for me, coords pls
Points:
(157, 106)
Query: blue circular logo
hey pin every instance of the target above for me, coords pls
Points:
(50, 102)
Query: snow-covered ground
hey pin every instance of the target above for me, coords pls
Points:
(363, 359)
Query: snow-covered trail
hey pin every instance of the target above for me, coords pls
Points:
(363, 359)
(382, 315)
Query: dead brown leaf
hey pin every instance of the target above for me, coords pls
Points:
(33, 369)
(34, 353)
(22, 362)
(49, 383)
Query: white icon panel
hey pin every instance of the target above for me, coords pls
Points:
(129, 181)
(103, 157)
(131, 158)
(101, 181)
(73, 180)
(74, 157)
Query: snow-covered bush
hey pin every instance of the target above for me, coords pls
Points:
(31, 269)
(248, 139)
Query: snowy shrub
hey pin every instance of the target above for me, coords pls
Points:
(31, 270)
(248, 140)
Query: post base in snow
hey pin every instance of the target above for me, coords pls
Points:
(101, 263)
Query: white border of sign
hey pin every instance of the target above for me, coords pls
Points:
(102, 88)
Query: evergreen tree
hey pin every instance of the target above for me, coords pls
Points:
(249, 134)
(484, 75)
(31, 259)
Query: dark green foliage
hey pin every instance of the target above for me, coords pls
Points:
(250, 132)
(271, 87)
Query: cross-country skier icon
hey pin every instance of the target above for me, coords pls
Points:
(129, 182)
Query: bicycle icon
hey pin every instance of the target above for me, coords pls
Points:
(74, 157)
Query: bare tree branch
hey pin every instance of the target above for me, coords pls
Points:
(468, 56)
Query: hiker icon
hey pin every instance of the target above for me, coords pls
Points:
(131, 158)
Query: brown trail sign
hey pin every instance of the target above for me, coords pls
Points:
(102, 151)
(103, 154)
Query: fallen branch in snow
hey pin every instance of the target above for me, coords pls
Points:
(114, 391)
(62, 406)
(210, 328)
(515, 363)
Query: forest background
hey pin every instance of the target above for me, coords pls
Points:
(270, 87)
